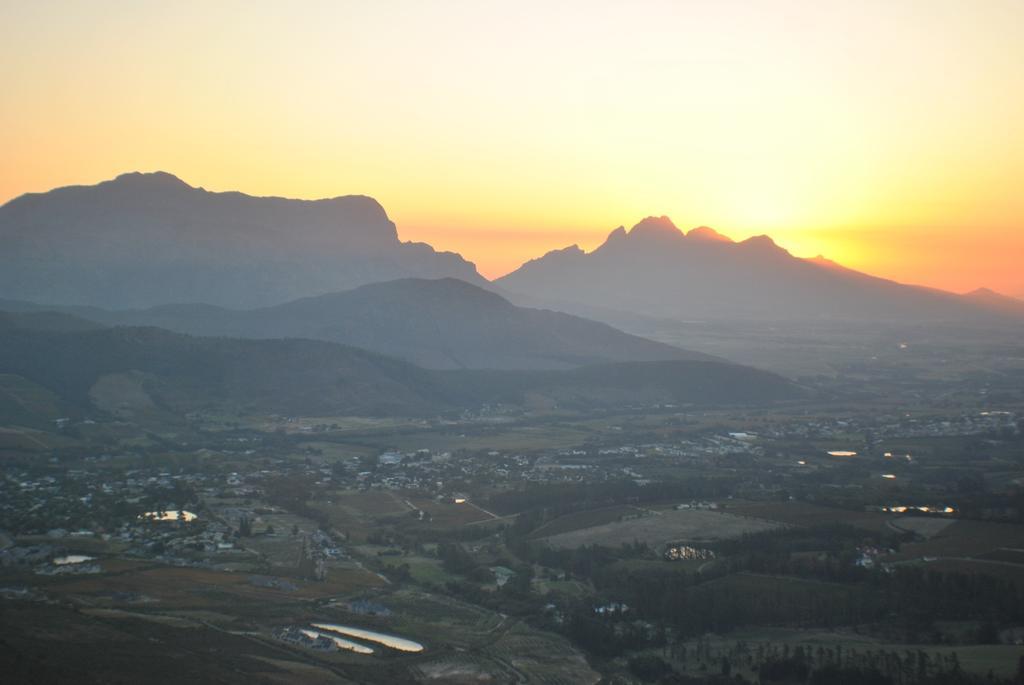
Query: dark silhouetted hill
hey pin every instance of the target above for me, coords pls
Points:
(656, 270)
(440, 324)
(175, 373)
(147, 239)
(996, 302)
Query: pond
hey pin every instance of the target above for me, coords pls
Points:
(399, 643)
(340, 642)
(925, 509)
(72, 559)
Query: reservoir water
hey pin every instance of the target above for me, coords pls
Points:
(392, 641)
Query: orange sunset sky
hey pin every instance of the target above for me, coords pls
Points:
(886, 134)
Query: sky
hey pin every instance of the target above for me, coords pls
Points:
(887, 135)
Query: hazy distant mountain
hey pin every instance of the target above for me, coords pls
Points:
(150, 371)
(996, 302)
(147, 239)
(45, 321)
(657, 270)
(440, 324)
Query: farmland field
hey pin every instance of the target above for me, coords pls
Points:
(447, 513)
(981, 567)
(191, 587)
(543, 658)
(806, 514)
(926, 527)
(966, 539)
(498, 437)
(54, 644)
(586, 519)
(686, 525)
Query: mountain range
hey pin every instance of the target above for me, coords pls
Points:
(148, 239)
(439, 324)
(657, 270)
(141, 240)
(991, 300)
(144, 294)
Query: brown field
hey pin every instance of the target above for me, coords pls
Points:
(458, 670)
(687, 525)
(370, 502)
(17, 391)
(543, 658)
(355, 512)
(51, 644)
(24, 439)
(585, 519)
(280, 550)
(926, 527)
(458, 619)
(966, 539)
(448, 513)
(1005, 554)
(298, 672)
(203, 588)
(994, 569)
(498, 437)
(806, 514)
(124, 565)
(121, 393)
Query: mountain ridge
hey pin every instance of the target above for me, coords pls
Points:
(144, 239)
(149, 239)
(135, 371)
(657, 270)
(440, 324)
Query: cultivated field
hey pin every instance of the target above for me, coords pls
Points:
(585, 519)
(448, 513)
(191, 587)
(543, 658)
(687, 525)
(926, 527)
(964, 539)
(806, 514)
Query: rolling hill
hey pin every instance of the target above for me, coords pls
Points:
(132, 369)
(439, 324)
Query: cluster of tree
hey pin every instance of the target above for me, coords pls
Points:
(455, 559)
(873, 667)
(808, 665)
(769, 591)
(913, 590)
(397, 573)
(719, 601)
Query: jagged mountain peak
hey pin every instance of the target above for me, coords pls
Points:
(655, 226)
(760, 241)
(617, 234)
(667, 275)
(707, 234)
